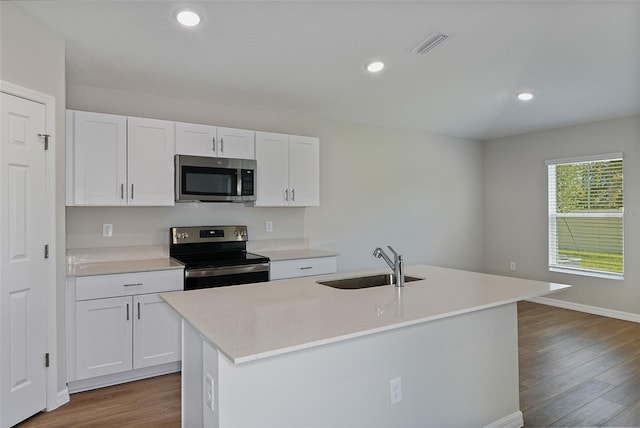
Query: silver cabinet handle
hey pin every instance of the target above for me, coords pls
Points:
(131, 190)
(138, 310)
(286, 194)
(221, 144)
(293, 195)
(137, 284)
(213, 140)
(121, 190)
(306, 267)
(127, 312)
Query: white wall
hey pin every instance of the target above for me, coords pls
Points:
(33, 57)
(515, 185)
(418, 192)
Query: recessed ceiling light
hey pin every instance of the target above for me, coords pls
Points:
(524, 96)
(375, 66)
(188, 18)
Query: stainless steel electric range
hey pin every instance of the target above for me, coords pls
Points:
(216, 256)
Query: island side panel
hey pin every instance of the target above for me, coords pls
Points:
(192, 375)
(457, 371)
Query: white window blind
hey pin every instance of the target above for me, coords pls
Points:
(586, 215)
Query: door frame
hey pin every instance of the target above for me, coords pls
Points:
(54, 399)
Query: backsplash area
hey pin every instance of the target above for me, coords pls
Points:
(149, 226)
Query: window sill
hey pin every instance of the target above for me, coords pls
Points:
(594, 274)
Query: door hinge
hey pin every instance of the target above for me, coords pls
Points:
(46, 251)
(46, 359)
(46, 140)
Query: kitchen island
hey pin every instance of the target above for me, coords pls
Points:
(293, 353)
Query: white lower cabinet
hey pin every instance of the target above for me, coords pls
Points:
(115, 330)
(156, 332)
(302, 267)
(103, 337)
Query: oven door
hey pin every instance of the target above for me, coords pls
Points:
(226, 275)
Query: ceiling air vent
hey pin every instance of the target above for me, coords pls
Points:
(427, 42)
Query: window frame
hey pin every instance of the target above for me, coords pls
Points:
(553, 215)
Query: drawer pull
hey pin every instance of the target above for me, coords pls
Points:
(137, 284)
(306, 267)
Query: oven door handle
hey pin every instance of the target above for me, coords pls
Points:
(226, 270)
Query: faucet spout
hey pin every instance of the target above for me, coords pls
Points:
(397, 265)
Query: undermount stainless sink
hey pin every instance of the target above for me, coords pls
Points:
(365, 281)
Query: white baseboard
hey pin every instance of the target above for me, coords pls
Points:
(123, 377)
(626, 316)
(63, 397)
(514, 420)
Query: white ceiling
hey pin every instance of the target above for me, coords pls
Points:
(582, 59)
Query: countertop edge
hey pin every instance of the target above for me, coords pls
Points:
(121, 267)
(297, 254)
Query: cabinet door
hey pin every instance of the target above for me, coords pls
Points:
(150, 150)
(272, 157)
(304, 171)
(236, 143)
(156, 332)
(195, 140)
(103, 336)
(98, 171)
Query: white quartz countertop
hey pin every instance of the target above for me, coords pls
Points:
(303, 253)
(122, 266)
(254, 321)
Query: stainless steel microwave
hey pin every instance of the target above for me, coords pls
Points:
(207, 179)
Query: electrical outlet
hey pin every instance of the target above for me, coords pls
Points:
(209, 392)
(269, 226)
(512, 266)
(395, 390)
(107, 230)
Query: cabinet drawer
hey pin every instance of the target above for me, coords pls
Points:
(128, 284)
(303, 267)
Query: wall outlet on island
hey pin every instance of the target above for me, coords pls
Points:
(395, 390)
(512, 266)
(269, 226)
(107, 230)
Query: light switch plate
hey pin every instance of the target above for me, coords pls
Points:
(209, 392)
(107, 230)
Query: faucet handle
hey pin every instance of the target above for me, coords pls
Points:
(395, 255)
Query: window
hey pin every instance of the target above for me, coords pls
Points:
(586, 209)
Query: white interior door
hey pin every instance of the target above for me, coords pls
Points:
(23, 274)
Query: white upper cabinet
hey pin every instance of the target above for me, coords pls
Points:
(117, 160)
(288, 170)
(96, 158)
(304, 171)
(150, 150)
(214, 141)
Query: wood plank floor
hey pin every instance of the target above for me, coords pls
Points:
(146, 403)
(576, 370)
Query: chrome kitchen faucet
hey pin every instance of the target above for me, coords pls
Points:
(397, 265)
